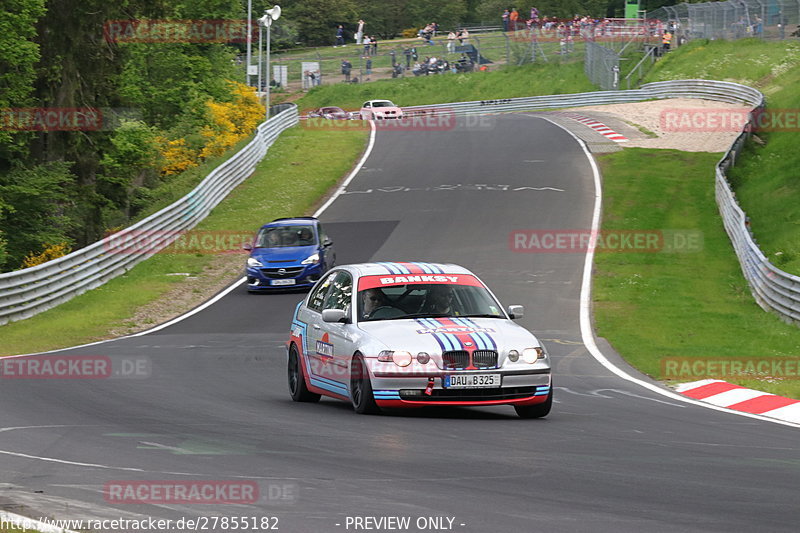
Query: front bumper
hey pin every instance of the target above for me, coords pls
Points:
(516, 388)
(257, 280)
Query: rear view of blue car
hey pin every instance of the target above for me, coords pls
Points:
(288, 252)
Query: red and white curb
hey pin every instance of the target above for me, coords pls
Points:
(724, 394)
(599, 127)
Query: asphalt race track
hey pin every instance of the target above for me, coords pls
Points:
(612, 456)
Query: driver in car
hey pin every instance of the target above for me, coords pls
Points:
(373, 299)
(438, 301)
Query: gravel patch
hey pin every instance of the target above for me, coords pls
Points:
(653, 117)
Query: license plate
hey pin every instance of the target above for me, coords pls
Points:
(471, 381)
(282, 282)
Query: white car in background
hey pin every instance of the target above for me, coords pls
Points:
(380, 109)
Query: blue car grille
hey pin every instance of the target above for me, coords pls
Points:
(280, 273)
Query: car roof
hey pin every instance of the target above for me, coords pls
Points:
(403, 268)
(373, 101)
(295, 221)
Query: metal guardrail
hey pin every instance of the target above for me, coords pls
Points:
(772, 288)
(25, 293)
(30, 291)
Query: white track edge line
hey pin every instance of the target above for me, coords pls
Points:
(587, 332)
(353, 173)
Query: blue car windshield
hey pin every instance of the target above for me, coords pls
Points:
(285, 236)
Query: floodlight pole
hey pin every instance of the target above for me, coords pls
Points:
(269, 76)
(249, 38)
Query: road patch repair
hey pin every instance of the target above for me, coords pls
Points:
(738, 398)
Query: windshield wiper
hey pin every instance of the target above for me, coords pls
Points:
(486, 315)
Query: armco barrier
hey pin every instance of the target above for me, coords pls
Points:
(25, 293)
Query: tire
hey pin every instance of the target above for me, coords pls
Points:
(361, 388)
(297, 383)
(536, 411)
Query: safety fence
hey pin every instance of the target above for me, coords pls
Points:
(25, 293)
(30, 291)
(731, 19)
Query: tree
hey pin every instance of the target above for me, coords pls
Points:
(35, 209)
(19, 54)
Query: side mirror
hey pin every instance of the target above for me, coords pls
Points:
(334, 316)
(515, 311)
(327, 242)
(247, 246)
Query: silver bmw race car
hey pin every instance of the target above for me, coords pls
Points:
(411, 335)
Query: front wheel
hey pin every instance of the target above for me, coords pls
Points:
(361, 388)
(297, 383)
(536, 411)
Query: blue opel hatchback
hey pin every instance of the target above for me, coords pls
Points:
(288, 252)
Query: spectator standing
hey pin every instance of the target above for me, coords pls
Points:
(339, 36)
(367, 45)
(513, 18)
(346, 68)
(368, 67)
(360, 32)
(451, 42)
(374, 43)
(505, 16)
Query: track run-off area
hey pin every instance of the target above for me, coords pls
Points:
(618, 452)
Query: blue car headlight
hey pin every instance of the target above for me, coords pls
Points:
(312, 259)
(252, 262)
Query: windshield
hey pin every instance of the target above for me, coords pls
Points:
(384, 103)
(285, 236)
(426, 300)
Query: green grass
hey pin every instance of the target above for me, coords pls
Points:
(765, 179)
(652, 306)
(288, 182)
(509, 82)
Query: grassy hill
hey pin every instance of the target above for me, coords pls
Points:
(767, 176)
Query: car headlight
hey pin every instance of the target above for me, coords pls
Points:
(513, 356)
(312, 259)
(400, 358)
(253, 262)
(531, 355)
(423, 358)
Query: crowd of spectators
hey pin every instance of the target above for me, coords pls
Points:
(583, 27)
